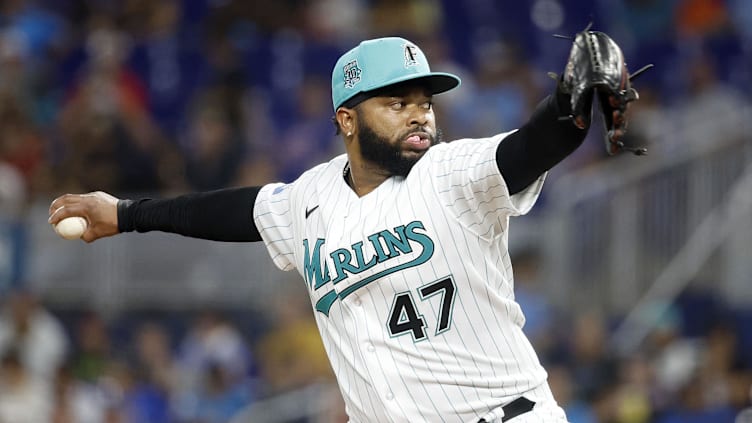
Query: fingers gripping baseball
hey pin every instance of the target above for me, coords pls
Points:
(98, 209)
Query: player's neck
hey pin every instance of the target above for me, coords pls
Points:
(363, 177)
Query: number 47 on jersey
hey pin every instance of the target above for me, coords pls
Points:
(404, 316)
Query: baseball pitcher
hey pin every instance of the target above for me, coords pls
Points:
(402, 241)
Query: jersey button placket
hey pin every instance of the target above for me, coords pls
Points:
(380, 369)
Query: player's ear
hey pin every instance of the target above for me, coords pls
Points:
(346, 120)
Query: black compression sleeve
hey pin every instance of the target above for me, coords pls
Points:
(539, 144)
(222, 215)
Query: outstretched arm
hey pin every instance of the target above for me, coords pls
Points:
(222, 215)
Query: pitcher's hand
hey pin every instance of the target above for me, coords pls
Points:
(98, 208)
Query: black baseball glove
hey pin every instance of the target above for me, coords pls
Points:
(596, 65)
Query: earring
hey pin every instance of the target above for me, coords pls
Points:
(349, 134)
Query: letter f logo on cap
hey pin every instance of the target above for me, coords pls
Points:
(410, 55)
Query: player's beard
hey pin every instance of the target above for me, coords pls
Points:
(389, 155)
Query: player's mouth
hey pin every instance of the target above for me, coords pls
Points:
(418, 141)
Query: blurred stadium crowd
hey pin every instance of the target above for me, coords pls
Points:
(140, 96)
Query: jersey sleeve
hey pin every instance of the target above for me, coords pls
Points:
(468, 182)
(273, 218)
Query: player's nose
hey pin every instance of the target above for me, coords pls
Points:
(419, 116)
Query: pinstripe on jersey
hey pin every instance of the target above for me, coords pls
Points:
(411, 284)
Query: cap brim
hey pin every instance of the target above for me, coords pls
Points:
(436, 82)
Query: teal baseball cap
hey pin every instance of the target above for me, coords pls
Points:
(381, 62)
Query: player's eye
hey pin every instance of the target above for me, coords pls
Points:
(397, 104)
(428, 105)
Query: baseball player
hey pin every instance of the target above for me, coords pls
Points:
(401, 242)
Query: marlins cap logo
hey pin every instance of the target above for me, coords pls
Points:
(352, 74)
(411, 55)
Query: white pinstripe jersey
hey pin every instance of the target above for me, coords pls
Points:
(411, 284)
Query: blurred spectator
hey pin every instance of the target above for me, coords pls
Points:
(12, 191)
(605, 403)
(33, 39)
(35, 335)
(93, 348)
(76, 401)
(16, 79)
(215, 366)
(269, 17)
(336, 20)
(745, 416)
(707, 95)
(721, 371)
(221, 396)
(311, 138)
(674, 357)
(226, 75)
(701, 17)
(592, 367)
(131, 399)
(530, 295)
(693, 407)
(505, 92)
(740, 12)
(634, 393)
(409, 18)
(291, 354)
(213, 341)
(214, 148)
(37, 29)
(154, 356)
(21, 145)
(561, 382)
(639, 23)
(167, 57)
(110, 140)
(228, 131)
(24, 398)
(741, 390)
(259, 137)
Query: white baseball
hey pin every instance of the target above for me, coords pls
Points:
(71, 227)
